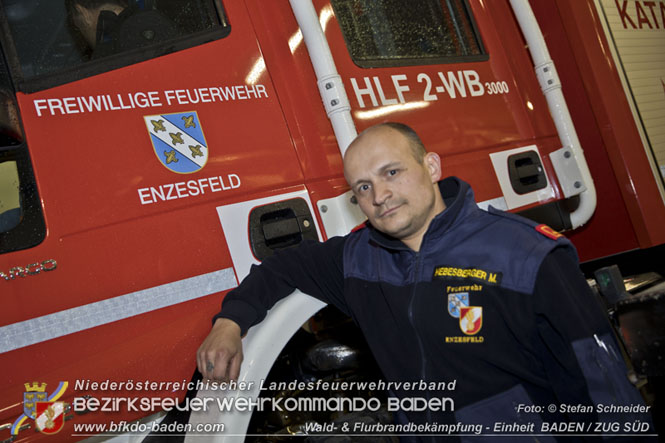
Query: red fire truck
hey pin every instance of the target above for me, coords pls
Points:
(153, 150)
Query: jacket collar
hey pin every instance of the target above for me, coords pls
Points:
(460, 202)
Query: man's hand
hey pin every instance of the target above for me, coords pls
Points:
(220, 354)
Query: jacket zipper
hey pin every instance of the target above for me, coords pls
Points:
(423, 356)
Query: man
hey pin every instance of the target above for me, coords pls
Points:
(444, 291)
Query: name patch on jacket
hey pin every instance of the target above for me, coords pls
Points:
(470, 273)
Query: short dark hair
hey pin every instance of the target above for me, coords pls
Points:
(415, 143)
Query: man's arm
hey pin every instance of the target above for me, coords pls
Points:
(314, 268)
(579, 353)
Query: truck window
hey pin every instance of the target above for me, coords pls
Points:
(382, 33)
(10, 136)
(21, 220)
(58, 41)
(10, 209)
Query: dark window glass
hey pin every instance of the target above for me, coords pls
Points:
(21, 220)
(10, 208)
(10, 137)
(64, 36)
(408, 32)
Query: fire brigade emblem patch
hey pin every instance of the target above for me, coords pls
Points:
(178, 141)
(457, 301)
(50, 416)
(471, 319)
(43, 408)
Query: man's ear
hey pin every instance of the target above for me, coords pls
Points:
(433, 164)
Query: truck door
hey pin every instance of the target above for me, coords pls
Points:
(112, 252)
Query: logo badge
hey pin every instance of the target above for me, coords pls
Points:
(178, 141)
(457, 301)
(50, 416)
(43, 408)
(471, 319)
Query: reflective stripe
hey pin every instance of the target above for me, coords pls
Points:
(36, 330)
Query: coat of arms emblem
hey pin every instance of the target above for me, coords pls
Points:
(178, 141)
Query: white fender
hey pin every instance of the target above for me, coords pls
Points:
(261, 346)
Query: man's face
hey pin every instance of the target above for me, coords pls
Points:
(394, 190)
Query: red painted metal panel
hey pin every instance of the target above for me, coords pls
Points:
(108, 232)
(611, 219)
(619, 157)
